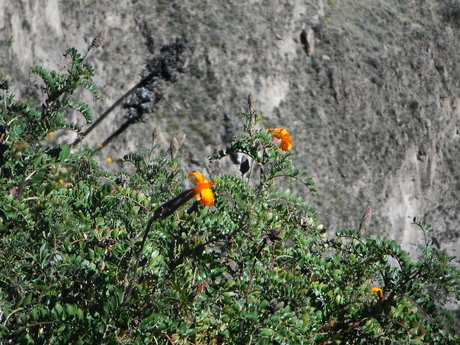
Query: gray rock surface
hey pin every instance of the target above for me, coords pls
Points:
(368, 89)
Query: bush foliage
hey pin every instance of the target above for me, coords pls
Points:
(85, 258)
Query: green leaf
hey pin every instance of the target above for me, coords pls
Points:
(79, 314)
(70, 310)
(35, 314)
(65, 150)
(85, 110)
(58, 309)
(25, 301)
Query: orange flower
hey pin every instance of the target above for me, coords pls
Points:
(202, 190)
(282, 135)
(109, 159)
(377, 292)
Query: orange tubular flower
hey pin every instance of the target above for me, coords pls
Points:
(202, 190)
(283, 135)
(377, 292)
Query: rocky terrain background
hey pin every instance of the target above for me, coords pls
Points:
(368, 89)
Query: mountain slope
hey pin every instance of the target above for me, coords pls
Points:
(369, 91)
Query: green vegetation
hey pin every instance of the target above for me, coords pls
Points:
(90, 257)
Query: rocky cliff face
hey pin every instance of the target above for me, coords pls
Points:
(368, 89)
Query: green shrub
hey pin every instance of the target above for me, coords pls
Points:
(90, 257)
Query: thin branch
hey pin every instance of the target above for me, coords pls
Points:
(115, 134)
(108, 111)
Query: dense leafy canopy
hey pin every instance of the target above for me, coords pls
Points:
(85, 259)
